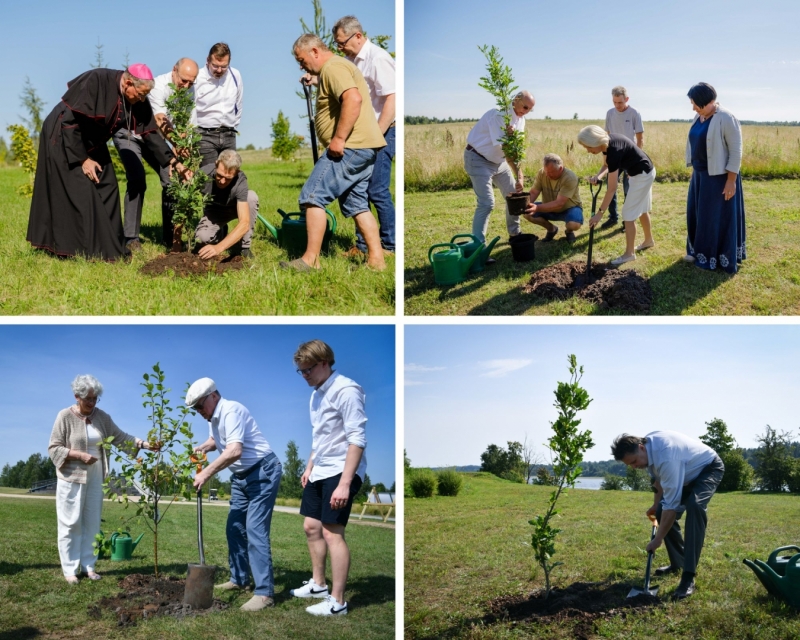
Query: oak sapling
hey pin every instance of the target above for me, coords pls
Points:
(167, 470)
(25, 153)
(567, 446)
(187, 194)
(500, 83)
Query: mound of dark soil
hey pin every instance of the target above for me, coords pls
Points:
(145, 596)
(623, 290)
(582, 602)
(188, 264)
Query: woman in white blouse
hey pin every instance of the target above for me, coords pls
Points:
(81, 465)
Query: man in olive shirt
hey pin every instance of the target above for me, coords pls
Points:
(346, 125)
(561, 200)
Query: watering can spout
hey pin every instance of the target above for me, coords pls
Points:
(135, 542)
(466, 263)
(488, 250)
(267, 225)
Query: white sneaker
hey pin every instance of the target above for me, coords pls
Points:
(328, 607)
(310, 589)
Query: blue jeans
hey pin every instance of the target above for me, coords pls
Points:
(379, 194)
(612, 207)
(573, 214)
(249, 520)
(345, 179)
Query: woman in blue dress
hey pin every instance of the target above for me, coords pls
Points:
(715, 204)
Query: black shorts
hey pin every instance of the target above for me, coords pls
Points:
(316, 501)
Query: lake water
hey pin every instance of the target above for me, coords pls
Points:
(588, 483)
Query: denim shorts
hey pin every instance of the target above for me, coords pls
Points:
(573, 214)
(345, 178)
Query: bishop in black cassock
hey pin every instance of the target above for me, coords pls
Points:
(71, 214)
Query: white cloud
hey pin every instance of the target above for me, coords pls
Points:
(413, 383)
(500, 368)
(422, 368)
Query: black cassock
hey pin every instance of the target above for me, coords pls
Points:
(70, 214)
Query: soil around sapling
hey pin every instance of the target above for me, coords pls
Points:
(145, 596)
(608, 288)
(188, 264)
(581, 602)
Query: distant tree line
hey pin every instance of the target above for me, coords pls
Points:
(26, 472)
(427, 120)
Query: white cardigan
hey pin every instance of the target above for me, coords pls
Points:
(723, 144)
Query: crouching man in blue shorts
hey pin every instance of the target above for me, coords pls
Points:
(346, 125)
(561, 200)
(334, 473)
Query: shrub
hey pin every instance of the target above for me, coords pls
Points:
(284, 143)
(448, 482)
(422, 483)
(544, 477)
(794, 476)
(738, 472)
(613, 483)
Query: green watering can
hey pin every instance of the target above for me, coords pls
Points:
(292, 234)
(786, 587)
(474, 245)
(451, 266)
(122, 546)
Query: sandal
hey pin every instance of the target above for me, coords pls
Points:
(71, 579)
(94, 576)
(297, 265)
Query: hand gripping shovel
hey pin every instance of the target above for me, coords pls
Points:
(312, 128)
(647, 590)
(199, 591)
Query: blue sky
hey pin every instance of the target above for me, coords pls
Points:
(570, 55)
(470, 386)
(251, 364)
(53, 42)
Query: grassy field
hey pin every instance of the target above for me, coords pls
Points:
(434, 152)
(36, 283)
(38, 603)
(462, 552)
(767, 284)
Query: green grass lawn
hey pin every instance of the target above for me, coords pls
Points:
(767, 284)
(36, 283)
(462, 552)
(37, 602)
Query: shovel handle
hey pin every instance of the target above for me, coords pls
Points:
(200, 525)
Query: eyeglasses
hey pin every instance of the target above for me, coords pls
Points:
(219, 67)
(340, 45)
(199, 404)
(189, 83)
(305, 372)
(91, 399)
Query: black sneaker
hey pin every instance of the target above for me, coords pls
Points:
(570, 237)
(609, 223)
(247, 253)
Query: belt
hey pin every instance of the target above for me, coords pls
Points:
(218, 130)
(471, 148)
(241, 475)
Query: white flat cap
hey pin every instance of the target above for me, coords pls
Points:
(199, 389)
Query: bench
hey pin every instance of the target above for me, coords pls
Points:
(380, 500)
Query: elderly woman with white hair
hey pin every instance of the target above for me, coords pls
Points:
(81, 465)
(621, 154)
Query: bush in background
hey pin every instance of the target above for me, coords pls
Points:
(613, 483)
(448, 482)
(422, 483)
(739, 473)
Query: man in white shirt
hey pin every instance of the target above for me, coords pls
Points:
(334, 473)
(486, 164)
(377, 67)
(255, 478)
(218, 97)
(132, 150)
(687, 472)
(626, 121)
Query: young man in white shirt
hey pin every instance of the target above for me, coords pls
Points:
(334, 473)
(377, 67)
(218, 96)
(687, 472)
(626, 121)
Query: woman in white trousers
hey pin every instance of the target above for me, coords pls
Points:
(81, 465)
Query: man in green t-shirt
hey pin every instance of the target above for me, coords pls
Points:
(561, 200)
(346, 125)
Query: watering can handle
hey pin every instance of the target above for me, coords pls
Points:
(450, 245)
(332, 219)
(463, 235)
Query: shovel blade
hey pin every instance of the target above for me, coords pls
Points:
(199, 591)
(643, 592)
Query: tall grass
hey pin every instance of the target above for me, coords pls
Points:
(434, 152)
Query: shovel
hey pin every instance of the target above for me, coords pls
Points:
(591, 229)
(199, 591)
(315, 153)
(647, 590)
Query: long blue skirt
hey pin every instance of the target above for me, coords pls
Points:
(715, 226)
